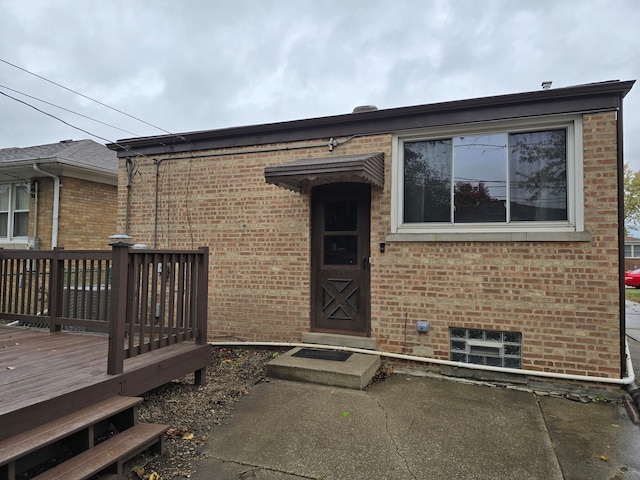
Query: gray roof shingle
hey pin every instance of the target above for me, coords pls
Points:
(80, 153)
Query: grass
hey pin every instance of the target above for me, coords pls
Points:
(632, 294)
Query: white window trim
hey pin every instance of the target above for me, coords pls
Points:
(540, 231)
(635, 250)
(11, 238)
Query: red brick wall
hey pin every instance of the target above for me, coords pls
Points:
(258, 236)
(87, 214)
(562, 296)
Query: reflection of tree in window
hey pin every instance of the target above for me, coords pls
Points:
(474, 203)
(496, 177)
(427, 181)
(479, 165)
(538, 171)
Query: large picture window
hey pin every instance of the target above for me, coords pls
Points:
(504, 178)
(14, 210)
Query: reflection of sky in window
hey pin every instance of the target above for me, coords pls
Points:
(533, 154)
(482, 159)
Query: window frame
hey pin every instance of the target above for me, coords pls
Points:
(634, 249)
(12, 210)
(575, 187)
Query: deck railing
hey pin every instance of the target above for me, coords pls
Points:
(144, 299)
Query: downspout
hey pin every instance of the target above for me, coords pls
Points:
(622, 299)
(155, 206)
(56, 204)
(630, 379)
(630, 387)
(127, 212)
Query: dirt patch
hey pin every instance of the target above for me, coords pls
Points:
(193, 411)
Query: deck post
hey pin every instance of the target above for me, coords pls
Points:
(56, 287)
(202, 308)
(119, 273)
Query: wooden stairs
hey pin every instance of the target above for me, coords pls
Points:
(94, 440)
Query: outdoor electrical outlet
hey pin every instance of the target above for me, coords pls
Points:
(423, 327)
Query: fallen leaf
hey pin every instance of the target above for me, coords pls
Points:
(139, 471)
(154, 476)
(604, 458)
(345, 414)
(11, 368)
(187, 436)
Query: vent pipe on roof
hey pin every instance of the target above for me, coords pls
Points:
(365, 108)
(546, 85)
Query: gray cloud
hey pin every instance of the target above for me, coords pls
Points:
(197, 65)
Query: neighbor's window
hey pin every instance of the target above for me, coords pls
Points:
(14, 210)
(504, 178)
(631, 250)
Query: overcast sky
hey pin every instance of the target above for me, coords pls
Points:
(198, 65)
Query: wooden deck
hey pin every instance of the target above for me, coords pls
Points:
(47, 374)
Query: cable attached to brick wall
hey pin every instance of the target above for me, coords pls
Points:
(330, 145)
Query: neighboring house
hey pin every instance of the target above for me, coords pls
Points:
(631, 253)
(58, 195)
(497, 220)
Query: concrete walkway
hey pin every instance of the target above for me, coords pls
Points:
(633, 335)
(632, 319)
(411, 428)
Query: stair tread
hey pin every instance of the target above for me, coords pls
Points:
(30, 440)
(118, 448)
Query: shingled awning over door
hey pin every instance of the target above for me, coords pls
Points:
(367, 168)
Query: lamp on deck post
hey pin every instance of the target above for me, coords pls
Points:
(120, 244)
(120, 238)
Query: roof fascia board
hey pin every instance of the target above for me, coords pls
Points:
(90, 174)
(60, 168)
(582, 98)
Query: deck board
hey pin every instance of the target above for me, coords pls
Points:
(42, 372)
(45, 358)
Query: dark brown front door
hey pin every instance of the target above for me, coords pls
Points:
(340, 258)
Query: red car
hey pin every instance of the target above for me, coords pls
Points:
(632, 278)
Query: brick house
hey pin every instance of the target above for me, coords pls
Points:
(496, 220)
(62, 194)
(631, 253)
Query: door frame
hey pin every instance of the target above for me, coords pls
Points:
(341, 191)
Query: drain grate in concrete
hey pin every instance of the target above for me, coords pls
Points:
(333, 355)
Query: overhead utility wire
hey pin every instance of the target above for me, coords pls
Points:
(125, 147)
(67, 110)
(93, 100)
